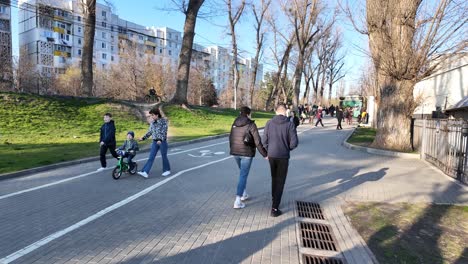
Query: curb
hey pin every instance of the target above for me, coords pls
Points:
(381, 152)
(26, 172)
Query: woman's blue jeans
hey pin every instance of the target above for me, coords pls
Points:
(154, 150)
(244, 165)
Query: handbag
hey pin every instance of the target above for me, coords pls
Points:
(248, 138)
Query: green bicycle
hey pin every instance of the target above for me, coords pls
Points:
(124, 167)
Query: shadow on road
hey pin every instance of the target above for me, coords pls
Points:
(231, 250)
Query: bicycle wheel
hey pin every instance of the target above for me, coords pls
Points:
(134, 170)
(116, 173)
(147, 99)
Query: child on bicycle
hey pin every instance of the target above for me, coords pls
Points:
(129, 148)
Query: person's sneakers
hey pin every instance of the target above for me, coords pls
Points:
(166, 173)
(143, 174)
(275, 212)
(245, 197)
(238, 204)
(101, 169)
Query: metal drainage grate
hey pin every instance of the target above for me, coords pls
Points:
(317, 236)
(307, 259)
(309, 210)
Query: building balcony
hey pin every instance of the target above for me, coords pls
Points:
(62, 54)
(149, 43)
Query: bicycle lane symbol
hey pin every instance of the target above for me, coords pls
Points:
(206, 153)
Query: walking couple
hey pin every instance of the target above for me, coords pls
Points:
(279, 138)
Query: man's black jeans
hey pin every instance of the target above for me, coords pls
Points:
(279, 171)
(103, 152)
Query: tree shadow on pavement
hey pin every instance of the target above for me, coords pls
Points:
(345, 181)
(421, 241)
(232, 250)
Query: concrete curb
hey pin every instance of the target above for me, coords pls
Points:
(377, 151)
(5, 176)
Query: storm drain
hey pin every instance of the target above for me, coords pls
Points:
(309, 210)
(317, 236)
(307, 259)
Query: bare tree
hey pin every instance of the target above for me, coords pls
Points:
(259, 14)
(89, 12)
(408, 41)
(191, 12)
(234, 16)
(335, 63)
(281, 57)
(303, 16)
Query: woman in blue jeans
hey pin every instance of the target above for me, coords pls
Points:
(243, 140)
(158, 132)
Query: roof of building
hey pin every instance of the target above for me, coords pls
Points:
(461, 105)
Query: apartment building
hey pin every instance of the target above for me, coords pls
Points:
(5, 42)
(51, 35)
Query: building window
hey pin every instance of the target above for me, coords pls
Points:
(104, 35)
(170, 35)
(104, 13)
(140, 37)
(112, 48)
(170, 44)
(170, 52)
(112, 58)
(78, 18)
(104, 56)
(104, 24)
(79, 52)
(3, 10)
(160, 51)
(79, 29)
(103, 45)
(79, 41)
(161, 42)
(112, 28)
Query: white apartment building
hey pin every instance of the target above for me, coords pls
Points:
(5, 42)
(51, 35)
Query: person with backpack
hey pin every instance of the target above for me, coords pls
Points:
(243, 140)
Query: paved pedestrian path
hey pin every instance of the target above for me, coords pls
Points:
(188, 217)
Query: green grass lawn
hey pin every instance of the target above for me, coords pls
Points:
(40, 130)
(203, 121)
(362, 136)
(412, 233)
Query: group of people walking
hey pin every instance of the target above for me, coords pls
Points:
(280, 137)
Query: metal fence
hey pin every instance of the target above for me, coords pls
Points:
(442, 143)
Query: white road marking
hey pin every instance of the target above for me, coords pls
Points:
(28, 249)
(93, 172)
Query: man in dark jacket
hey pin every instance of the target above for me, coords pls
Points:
(107, 140)
(339, 116)
(243, 140)
(279, 138)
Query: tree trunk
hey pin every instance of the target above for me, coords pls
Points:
(180, 96)
(254, 77)
(394, 115)
(297, 79)
(88, 48)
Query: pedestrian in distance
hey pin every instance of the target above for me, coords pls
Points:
(158, 133)
(129, 148)
(279, 138)
(107, 140)
(243, 140)
(319, 116)
(339, 117)
(294, 119)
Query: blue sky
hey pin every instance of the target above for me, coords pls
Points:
(213, 32)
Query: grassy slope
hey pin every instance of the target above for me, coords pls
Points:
(362, 136)
(36, 130)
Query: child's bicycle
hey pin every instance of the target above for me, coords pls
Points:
(123, 167)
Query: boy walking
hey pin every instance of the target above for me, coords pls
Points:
(107, 140)
(280, 138)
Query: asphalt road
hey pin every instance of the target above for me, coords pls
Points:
(77, 215)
